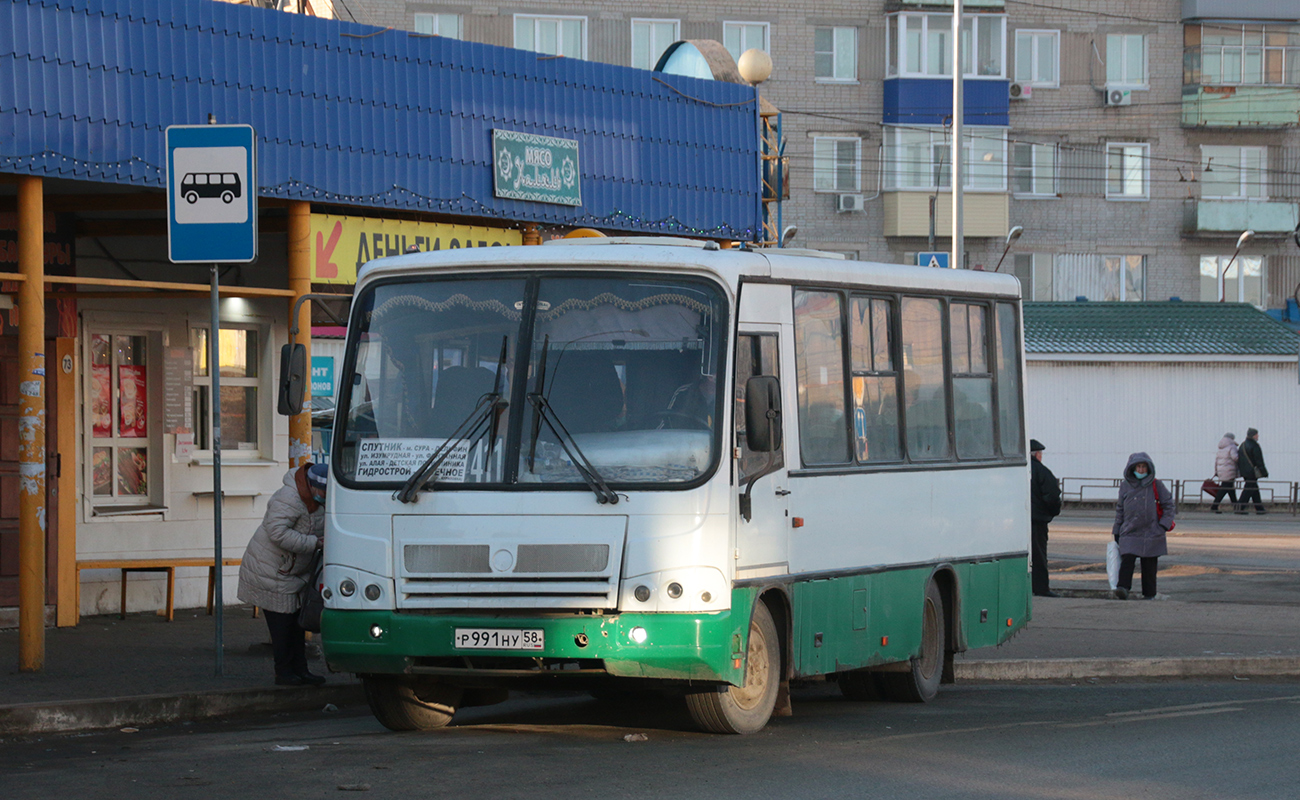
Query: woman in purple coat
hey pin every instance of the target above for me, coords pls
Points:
(1143, 514)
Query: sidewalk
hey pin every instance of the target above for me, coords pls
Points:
(1215, 622)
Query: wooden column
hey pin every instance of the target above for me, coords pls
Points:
(300, 284)
(31, 425)
(68, 611)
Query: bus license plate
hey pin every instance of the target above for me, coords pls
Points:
(499, 639)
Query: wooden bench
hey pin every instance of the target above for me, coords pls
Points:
(168, 565)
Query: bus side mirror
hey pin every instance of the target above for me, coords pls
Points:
(763, 414)
(293, 378)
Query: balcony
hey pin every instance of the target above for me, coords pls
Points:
(908, 214)
(1231, 217)
(928, 101)
(1241, 106)
(895, 5)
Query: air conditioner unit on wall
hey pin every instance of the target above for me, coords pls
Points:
(1119, 97)
(849, 202)
(1020, 91)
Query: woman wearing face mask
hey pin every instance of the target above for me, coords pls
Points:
(276, 566)
(1144, 513)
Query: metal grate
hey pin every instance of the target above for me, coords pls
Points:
(433, 559)
(548, 558)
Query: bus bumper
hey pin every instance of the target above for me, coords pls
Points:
(703, 647)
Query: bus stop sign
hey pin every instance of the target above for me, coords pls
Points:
(211, 194)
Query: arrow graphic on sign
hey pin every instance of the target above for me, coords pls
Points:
(324, 250)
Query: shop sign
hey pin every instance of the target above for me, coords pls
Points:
(541, 169)
(341, 245)
(322, 376)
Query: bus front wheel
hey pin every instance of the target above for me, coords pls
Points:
(747, 708)
(920, 683)
(403, 706)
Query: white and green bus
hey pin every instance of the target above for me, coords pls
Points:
(658, 464)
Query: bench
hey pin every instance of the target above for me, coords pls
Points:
(168, 565)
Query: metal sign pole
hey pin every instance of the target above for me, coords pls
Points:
(214, 369)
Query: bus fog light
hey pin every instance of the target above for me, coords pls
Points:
(373, 592)
(376, 632)
(637, 635)
(641, 593)
(674, 590)
(347, 588)
(706, 597)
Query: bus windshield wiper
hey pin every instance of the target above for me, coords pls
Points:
(545, 413)
(482, 420)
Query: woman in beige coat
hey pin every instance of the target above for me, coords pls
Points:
(277, 563)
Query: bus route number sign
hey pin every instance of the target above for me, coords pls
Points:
(499, 639)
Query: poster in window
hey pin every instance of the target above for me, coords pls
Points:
(132, 471)
(101, 404)
(132, 401)
(103, 471)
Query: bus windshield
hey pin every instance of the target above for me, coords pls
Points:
(619, 374)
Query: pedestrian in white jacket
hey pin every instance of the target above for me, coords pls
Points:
(1225, 471)
(277, 564)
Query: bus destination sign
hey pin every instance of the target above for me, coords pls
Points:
(541, 169)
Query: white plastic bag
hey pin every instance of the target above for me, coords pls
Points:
(1112, 563)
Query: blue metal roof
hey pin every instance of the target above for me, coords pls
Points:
(356, 115)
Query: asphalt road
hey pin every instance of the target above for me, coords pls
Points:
(1173, 740)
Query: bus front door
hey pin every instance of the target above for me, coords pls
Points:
(762, 540)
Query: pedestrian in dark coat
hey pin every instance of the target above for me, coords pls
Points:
(1250, 460)
(277, 564)
(1143, 514)
(1044, 505)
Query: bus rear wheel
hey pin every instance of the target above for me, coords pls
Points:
(920, 683)
(747, 708)
(403, 706)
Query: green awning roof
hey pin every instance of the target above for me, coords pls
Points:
(1171, 328)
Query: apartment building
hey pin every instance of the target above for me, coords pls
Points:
(1133, 141)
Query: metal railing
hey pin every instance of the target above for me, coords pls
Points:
(1276, 495)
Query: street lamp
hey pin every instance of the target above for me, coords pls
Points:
(1012, 236)
(1242, 240)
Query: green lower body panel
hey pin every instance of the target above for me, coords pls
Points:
(703, 647)
(856, 621)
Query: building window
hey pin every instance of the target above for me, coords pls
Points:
(836, 164)
(1126, 171)
(738, 37)
(1104, 278)
(921, 158)
(920, 45)
(1126, 60)
(1033, 169)
(555, 36)
(1237, 173)
(1038, 58)
(1035, 273)
(835, 54)
(447, 25)
(1242, 282)
(122, 463)
(1224, 53)
(240, 354)
(650, 38)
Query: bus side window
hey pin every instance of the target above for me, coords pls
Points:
(756, 354)
(972, 380)
(1008, 371)
(875, 380)
(926, 404)
(819, 364)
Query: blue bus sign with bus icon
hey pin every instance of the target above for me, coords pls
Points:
(211, 194)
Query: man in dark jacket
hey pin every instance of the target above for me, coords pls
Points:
(1250, 463)
(1045, 503)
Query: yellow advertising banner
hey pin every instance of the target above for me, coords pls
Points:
(341, 245)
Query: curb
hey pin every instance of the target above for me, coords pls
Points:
(112, 712)
(1052, 669)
